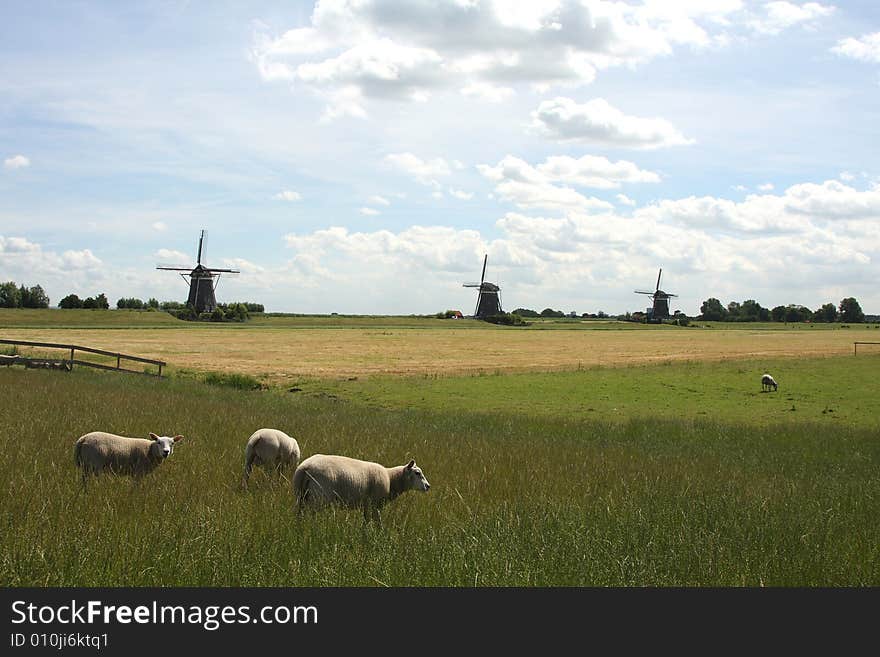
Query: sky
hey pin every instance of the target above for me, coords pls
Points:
(362, 156)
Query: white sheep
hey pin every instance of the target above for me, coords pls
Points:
(768, 382)
(270, 448)
(323, 479)
(99, 451)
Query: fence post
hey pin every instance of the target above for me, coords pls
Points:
(71, 359)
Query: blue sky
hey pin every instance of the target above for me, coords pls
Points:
(361, 157)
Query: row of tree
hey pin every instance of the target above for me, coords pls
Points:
(13, 295)
(847, 311)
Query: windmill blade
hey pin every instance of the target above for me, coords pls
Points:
(224, 271)
(203, 247)
(643, 292)
(659, 274)
(171, 267)
(483, 276)
(471, 284)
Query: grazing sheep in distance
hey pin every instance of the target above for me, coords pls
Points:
(768, 382)
(270, 447)
(322, 480)
(99, 451)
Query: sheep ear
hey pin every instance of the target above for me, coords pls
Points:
(153, 436)
(178, 438)
(410, 465)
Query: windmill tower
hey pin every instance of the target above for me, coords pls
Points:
(488, 297)
(660, 307)
(202, 280)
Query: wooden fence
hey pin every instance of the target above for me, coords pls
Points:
(68, 363)
(856, 346)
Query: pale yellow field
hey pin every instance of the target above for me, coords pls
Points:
(280, 355)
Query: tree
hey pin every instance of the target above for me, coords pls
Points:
(89, 303)
(733, 312)
(153, 303)
(713, 311)
(751, 311)
(70, 301)
(525, 312)
(851, 311)
(549, 312)
(827, 313)
(778, 314)
(10, 295)
(33, 297)
(796, 313)
(101, 301)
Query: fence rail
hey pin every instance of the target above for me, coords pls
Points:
(856, 346)
(70, 362)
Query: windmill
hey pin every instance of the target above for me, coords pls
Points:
(488, 297)
(202, 280)
(660, 307)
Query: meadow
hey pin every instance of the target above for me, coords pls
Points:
(663, 473)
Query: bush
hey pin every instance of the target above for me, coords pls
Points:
(507, 319)
(233, 380)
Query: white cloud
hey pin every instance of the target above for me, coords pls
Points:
(370, 212)
(460, 194)
(846, 176)
(623, 199)
(160, 226)
(866, 48)
(766, 187)
(244, 266)
(16, 162)
(778, 16)
(598, 122)
(287, 195)
(424, 171)
(740, 188)
(401, 50)
(594, 171)
(379, 200)
(172, 257)
(488, 92)
(527, 187)
(26, 262)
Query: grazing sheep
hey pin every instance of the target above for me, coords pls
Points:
(768, 382)
(98, 451)
(270, 447)
(321, 480)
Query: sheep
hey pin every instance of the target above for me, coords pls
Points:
(323, 479)
(768, 382)
(270, 447)
(99, 451)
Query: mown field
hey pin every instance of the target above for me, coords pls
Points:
(673, 474)
(281, 351)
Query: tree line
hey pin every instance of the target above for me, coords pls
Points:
(847, 311)
(13, 295)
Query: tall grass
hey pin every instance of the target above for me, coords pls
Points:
(515, 500)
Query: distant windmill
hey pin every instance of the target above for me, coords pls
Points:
(202, 280)
(488, 297)
(660, 308)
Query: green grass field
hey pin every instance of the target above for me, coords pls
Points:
(524, 492)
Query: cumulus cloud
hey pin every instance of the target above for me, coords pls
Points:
(16, 162)
(779, 16)
(766, 187)
(170, 256)
(865, 49)
(424, 171)
(287, 195)
(404, 50)
(28, 262)
(160, 226)
(547, 184)
(461, 194)
(598, 122)
(623, 199)
(379, 200)
(370, 212)
(823, 231)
